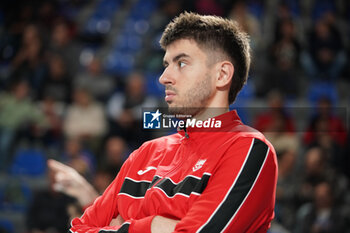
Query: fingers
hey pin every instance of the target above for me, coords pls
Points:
(62, 174)
(57, 166)
(62, 171)
(117, 221)
(64, 179)
(120, 220)
(161, 224)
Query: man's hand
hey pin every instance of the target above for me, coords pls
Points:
(117, 221)
(163, 225)
(70, 182)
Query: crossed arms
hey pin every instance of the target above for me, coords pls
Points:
(239, 197)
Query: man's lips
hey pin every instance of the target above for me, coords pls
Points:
(169, 95)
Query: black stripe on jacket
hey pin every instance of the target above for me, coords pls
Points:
(239, 190)
(190, 184)
(123, 229)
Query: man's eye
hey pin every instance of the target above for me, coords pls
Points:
(182, 64)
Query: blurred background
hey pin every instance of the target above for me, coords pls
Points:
(74, 75)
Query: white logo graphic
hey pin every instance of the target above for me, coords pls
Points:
(199, 165)
(156, 115)
(141, 172)
(151, 120)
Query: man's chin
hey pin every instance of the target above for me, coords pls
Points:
(176, 110)
(186, 111)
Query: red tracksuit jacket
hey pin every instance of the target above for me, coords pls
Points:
(211, 181)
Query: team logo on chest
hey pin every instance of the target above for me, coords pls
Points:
(198, 165)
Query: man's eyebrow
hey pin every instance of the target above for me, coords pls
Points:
(176, 58)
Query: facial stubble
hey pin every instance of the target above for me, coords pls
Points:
(195, 100)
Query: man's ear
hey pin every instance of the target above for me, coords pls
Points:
(225, 73)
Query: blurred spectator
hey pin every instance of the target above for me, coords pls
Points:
(85, 119)
(79, 158)
(284, 54)
(48, 211)
(109, 163)
(317, 168)
(96, 81)
(278, 127)
(53, 111)
(102, 179)
(275, 118)
(125, 110)
(285, 11)
(209, 7)
(58, 83)
(18, 112)
(323, 214)
(325, 57)
(248, 22)
(30, 62)
(47, 14)
(287, 188)
(327, 130)
(276, 123)
(62, 43)
(168, 10)
(325, 127)
(116, 152)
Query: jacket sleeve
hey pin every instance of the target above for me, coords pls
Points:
(98, 216)
(240, 194)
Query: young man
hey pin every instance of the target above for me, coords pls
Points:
(195, 181)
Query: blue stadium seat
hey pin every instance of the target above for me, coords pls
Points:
(153, 87)
(121, 59)
(143, 9)
(7, 226)
(242, 101)
(128, 43)
(30, 162)
(256, 8)
(100, 20)
(119, 62)
(318, 90)
(321, 7)
(294, 7)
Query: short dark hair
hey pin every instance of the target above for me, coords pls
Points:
(215, 33)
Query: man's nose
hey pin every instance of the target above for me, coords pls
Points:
(167, 77)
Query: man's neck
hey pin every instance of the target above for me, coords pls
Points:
(210, 113)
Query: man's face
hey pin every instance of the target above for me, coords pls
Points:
(187, 78)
